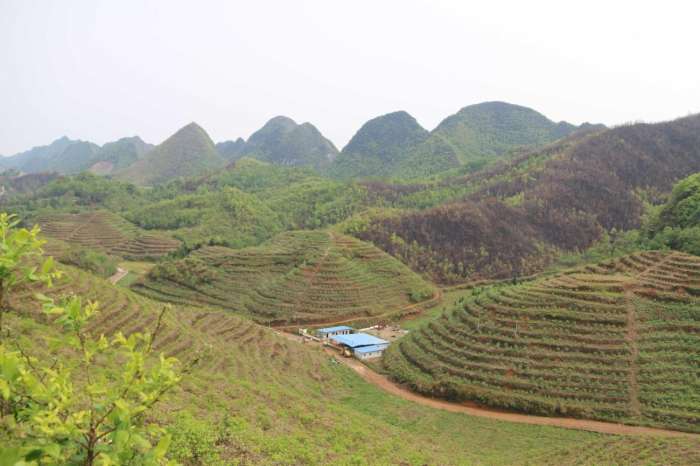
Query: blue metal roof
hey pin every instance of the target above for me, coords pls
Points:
(370, 348)
(337, 328)
(358, 339)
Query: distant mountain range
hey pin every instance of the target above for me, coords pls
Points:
(67, 156)
(389, 146)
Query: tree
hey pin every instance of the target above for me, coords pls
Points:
(79, 409)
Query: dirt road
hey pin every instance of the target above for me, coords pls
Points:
(121, 273)
(387, 385)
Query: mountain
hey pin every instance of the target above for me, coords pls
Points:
(491, 129)
(188, 152)
(36, 159)
(484, 131)
(379, 146)
(513, 218)
(231, 150)
(117, 155)
(76, 157)
(396, 146)
(66, 156)
(284, 142)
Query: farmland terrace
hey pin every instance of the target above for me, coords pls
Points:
(107, 232)
(288, 403)
(618, 341)
(298, 278)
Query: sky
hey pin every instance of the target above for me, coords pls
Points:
(100, 70)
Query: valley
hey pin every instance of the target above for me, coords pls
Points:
(545, 283)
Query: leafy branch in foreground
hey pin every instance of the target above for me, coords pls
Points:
(21, 259)
(88, 414)
(90, 406)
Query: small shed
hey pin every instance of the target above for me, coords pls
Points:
(329, 332)
(363, 345)
(368, 352)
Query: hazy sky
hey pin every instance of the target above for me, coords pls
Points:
(100, 70)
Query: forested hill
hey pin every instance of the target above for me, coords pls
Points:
(513, 217)
(188, 152)
(395, 146)
(282, 141)
(379, 146)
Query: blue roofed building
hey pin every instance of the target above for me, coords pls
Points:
(328, 332)
(362, 345)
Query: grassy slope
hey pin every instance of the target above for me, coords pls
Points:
(613, 342)
(298, 277)
(291, 405)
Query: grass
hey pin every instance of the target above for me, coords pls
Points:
(616, 341)
(286, 403)
(298, 278)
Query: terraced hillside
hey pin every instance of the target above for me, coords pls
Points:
(106, 232)
(617, 341)
(296, 278)
(271, 401)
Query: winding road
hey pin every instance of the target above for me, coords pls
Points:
(471, 409)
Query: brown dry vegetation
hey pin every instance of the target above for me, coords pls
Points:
(519, 212)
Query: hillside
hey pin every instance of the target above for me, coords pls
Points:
(299, 278)
(617, 341)
(117, 155)
(282, 141)
(482, 133)
(231, 150)
(75, 158)
(508, 219)
(188, 152)
(258, 398)
(378, 147)
(34, 160)
(106, 232)
(227, 216)
(63, 156)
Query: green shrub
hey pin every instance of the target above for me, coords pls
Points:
(90, 260)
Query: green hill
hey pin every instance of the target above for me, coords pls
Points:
(378, 147)
(676, 223)
(226, 216)
(482, 132)
(284, 142)
(117, 155)
(616, 341)
(188, 152)
(491, 129)
(231, 150)
(298, 278)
